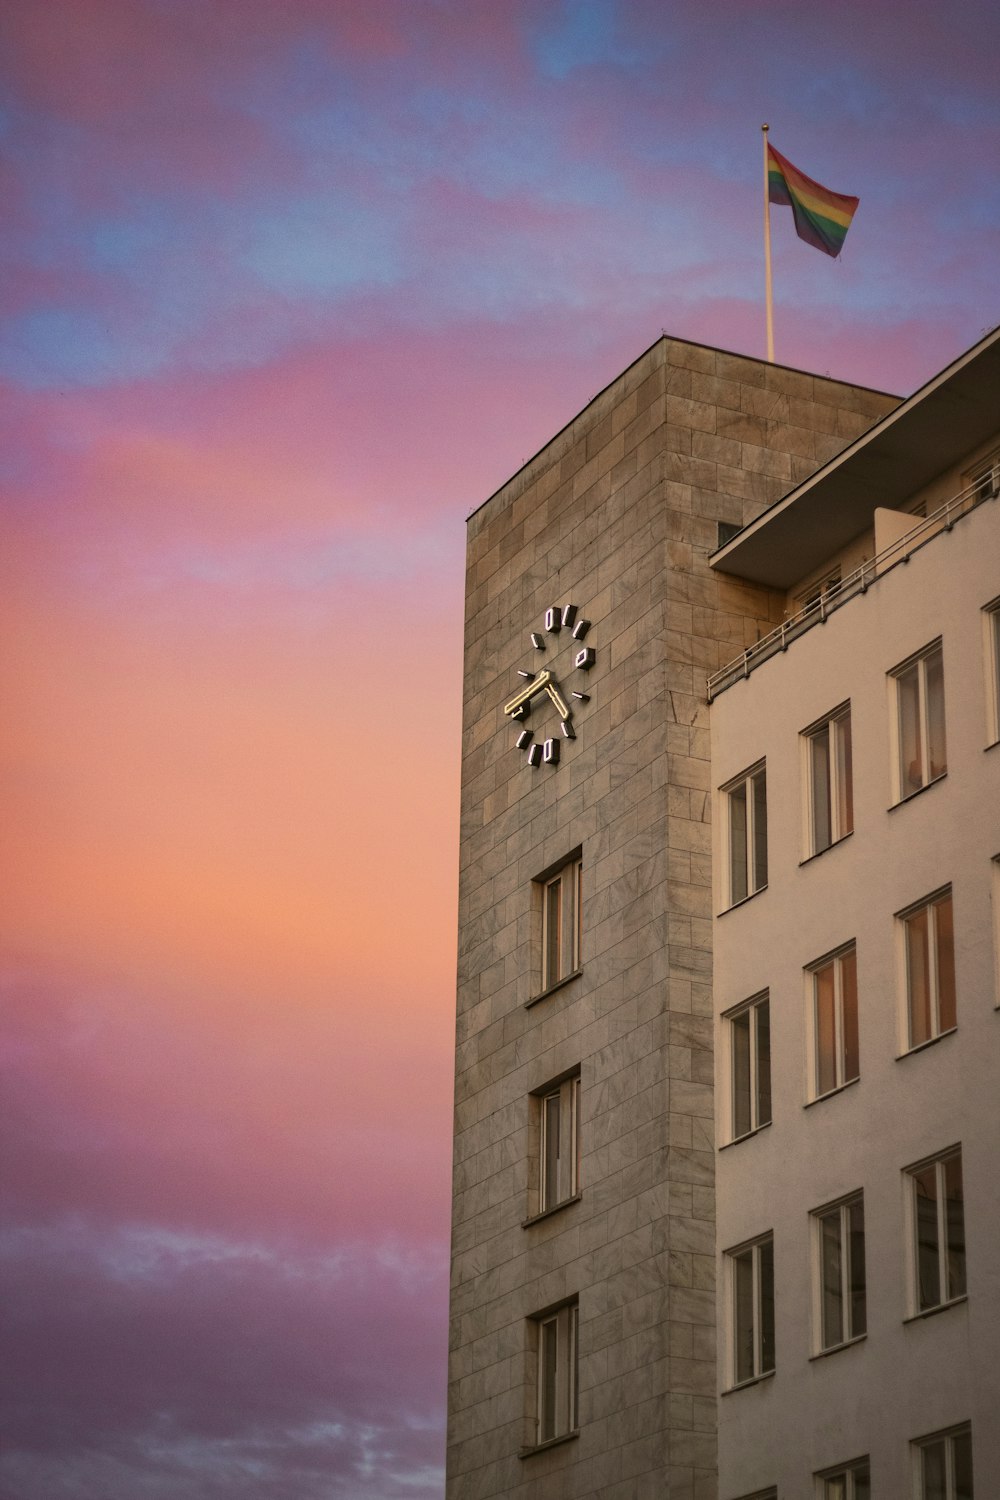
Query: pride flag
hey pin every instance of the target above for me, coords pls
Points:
(822, 218)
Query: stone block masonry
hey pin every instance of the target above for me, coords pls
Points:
(617, 514)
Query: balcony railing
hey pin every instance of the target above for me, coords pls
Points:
(986, 486)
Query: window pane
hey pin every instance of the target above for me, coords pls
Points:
(765, 1252)
(945, 934)
(925, 1209)
(822, 831)
(575, 1133)
(743, 1332)
(741, 1073)
(763, 1013)
(911, 766)
(849, 1014)
(553, 932)
(845, 775)
(856, 1232)
(738, 842)
(547, 1380)
(832, 1286)
(955, 1220)
(862, 1490)
(934, 666)
(574, 1365)
(934, 1474)
(918, 977)
(826, 1030)
(550, 1181)
(835, 1488)
(759, 831)
(962, 1452)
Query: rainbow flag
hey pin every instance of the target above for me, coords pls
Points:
(822, 218)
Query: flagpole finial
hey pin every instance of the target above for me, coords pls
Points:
(765, 128)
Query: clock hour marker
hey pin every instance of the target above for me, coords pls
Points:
(537, 641)
(522, 673)
(569, 615)
(524, 739)
(583, 697)
(553, 619)
(580, 629)
(567, 729)
(585, 659)
(550, 752)
(535, 755)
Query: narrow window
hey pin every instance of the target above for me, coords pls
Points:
(830, 780)
(559, 1143)
(752, 1292)
(929, 959)
(836, 1054)
(746, 804)
(561, 897)
(991, 622)
(938, 1230)
(750, 1054)
(839, 1240)
(558, 1373)
(920, 739)
(845, 1482)
(943, 1464)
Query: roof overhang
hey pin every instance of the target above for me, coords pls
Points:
(933, 429)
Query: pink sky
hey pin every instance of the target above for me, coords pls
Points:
(288, 290)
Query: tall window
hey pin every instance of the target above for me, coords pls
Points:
(944, 1465)
(562, 895)
(559, 1143)
(750, 1055)
(846, 1482)
(830, 780)
(938, 1226)
(558, 1373)
(746, 804)
(835, 1021)
(929, 956)
(991, 621)
(920, 741)
(751, 1271)
(839, 1241)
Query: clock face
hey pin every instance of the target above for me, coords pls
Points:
(549, 689)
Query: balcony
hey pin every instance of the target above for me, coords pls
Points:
(985, 487)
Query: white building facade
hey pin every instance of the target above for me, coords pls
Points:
(856, 881)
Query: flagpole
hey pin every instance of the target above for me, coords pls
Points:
(767, 256)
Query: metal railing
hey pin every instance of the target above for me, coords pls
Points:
(986, 486)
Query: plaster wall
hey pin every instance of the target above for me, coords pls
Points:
(907, 1377)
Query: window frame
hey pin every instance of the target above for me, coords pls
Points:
(903, 782)
(558, 1383)
(944, 1249)
(757, 1330)
(566, 1092)
(849, 1473)
(840, 1211)
(753, 869)
(559, 903)
(840, 771)
(753, 1007)
(841, 1021)
(911, 1042)
(918, 1448)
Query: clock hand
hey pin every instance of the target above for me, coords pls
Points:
(562, 707)
(528, 691)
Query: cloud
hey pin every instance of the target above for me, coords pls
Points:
(166, 1363)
